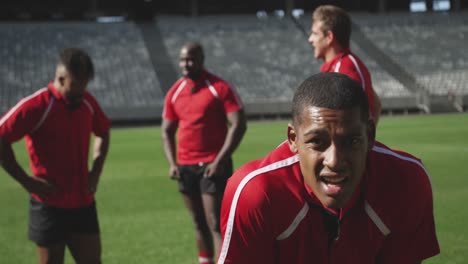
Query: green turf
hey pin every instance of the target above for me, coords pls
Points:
(143, 219)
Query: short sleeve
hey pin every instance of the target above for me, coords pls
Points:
(168, 109)
(101, 123)
(20, 120)
(231, 99)
(247, 235)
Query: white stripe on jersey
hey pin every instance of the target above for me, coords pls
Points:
(299, 217)
(410, 159)
(89, 106)
(230, 223)
(20, 103)
(363, 82)
(212, 89)
(338, 66)
(177, 92)
(392, 153)
(46, 113)
(376, 219)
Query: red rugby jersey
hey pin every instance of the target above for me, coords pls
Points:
(269, 215)
(57, 141)
(349, 64)
(201, 116)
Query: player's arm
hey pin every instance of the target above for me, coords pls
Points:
(11, 166)
(100, 149)
(168, 131)
(237, 125)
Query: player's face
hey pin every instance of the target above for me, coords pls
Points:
(70, 87)
(319, 40)
(332, 146)
(190, 63)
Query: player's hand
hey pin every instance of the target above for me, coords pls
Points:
(93, 179)
(174, 173)
(211, 170)
(39, 186)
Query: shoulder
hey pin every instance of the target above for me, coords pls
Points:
(36, 101)
(265, 180)
(217, 82)
(176, 85)
(352, 62)
(88, 96)
(398, 161)
(398, 178)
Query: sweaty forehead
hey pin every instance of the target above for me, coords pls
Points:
(321, 115)
(189, 51)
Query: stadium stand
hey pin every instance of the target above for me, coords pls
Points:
(418, 62)
(126, 84)
(431, 47)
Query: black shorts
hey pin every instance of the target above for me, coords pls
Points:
(49, 225)
(192, 181)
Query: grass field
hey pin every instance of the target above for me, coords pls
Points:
(143, 219)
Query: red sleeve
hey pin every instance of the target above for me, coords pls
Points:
(101, 123)
(362, 76)
(417, 240)
(347, 68)
(168, 110)
(246, 231)
(20, 120)
(231, 99)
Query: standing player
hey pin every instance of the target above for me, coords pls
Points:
(329, 194)
(57, 122)
(208, 115)
(330, 35)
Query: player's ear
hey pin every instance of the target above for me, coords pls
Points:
(292, 138)
(330, 37)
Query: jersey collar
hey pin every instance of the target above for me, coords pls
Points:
(327, 66)
(200, 82)
(57, 94)
(54, 91)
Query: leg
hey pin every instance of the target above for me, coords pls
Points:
(53, 254)
(85, 249)
(202, 233)
(212, 206)
(46, 230)
(189, 186)
(84, 240)
(213, 190)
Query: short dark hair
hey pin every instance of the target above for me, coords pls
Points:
(336, 20)
(78, 63)
(329, 90)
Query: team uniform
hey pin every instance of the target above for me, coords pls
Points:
(349, 64)
(201, 118)
(270, 215)
(57, 139)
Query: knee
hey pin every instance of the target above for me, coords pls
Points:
(213, 222)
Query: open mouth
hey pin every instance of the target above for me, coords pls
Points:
(333, 186)
(333, 180)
